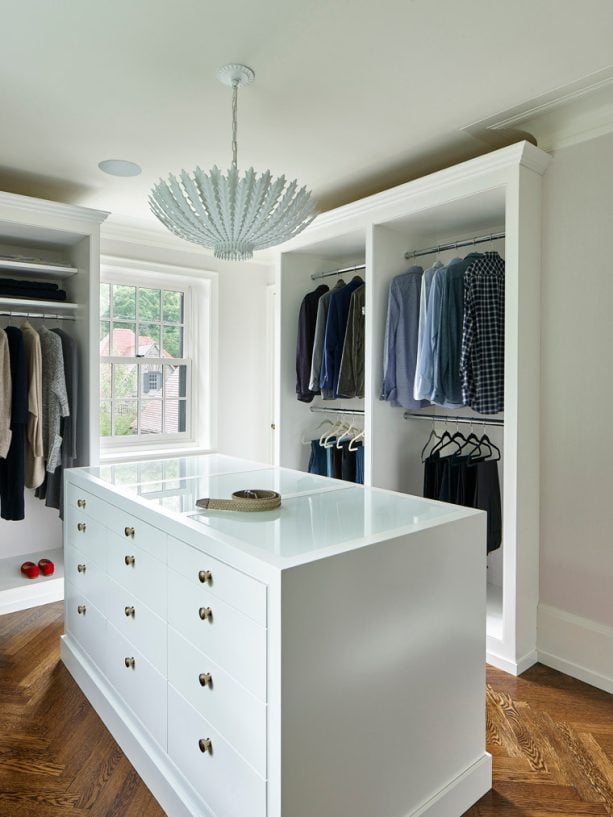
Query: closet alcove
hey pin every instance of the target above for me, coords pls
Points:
(61, 245)
(496, 193)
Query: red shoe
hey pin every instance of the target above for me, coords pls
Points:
(30, 570)
(46, 567)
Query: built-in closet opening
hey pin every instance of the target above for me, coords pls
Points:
(325, 262)
(496, 193)
(44, 241)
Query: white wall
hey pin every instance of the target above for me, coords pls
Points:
(576, 563)
(241, 402)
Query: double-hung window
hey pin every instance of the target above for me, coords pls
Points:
(147, 343)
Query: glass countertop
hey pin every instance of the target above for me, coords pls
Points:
(316, 513)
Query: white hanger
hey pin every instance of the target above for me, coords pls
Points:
(325, 438)
(356, 439)
(308, 437)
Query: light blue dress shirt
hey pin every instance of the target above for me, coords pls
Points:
(400, 345)
(423, 367)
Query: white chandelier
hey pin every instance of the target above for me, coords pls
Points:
(232, 214)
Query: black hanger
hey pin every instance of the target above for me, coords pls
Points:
(432, 436)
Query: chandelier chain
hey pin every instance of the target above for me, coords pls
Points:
(234, 123)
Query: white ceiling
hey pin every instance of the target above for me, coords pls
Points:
(350, 96)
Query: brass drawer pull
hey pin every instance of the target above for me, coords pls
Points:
(130, 560)
(205, 576)
(129, 611)
(81, 503)
(205, 745)
(205, 612)
(81, 609)
(206, 679)
(129, 532)
(129, 662)
(82, 527)
(81, 568)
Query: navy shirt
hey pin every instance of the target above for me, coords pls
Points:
(336, 325)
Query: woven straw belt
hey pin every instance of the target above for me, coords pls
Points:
(255, 500)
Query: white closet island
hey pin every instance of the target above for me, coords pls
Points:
(324, 659)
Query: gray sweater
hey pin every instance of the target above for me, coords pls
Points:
(55, 398)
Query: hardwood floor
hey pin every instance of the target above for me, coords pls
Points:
(551, 738)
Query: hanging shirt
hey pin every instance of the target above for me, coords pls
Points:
(318, 341)
(54, 490)
(55, 398)
(336, 326)
(5, 395)
(35, 464)
(351, 377)
(423, 365)
(482, 358)
(447, 386)
(400, 343)
(12, 468)
(307, 318)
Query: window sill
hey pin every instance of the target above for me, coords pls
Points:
(114, 455)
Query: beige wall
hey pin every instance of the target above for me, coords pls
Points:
(576, 566)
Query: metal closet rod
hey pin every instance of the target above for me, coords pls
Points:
(355, 268)
(326, 410)
(49, 315)
(448, 418)
(452, 245)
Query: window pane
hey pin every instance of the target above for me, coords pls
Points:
(173, 307)
(105, 300)
(171, 469)
(175, 381)
(126, 474)
(151, 472)
(151, 417)
(124, 302)
(105, 380)
(125, 384)
(105, 340)
(174, 416)
(105, 418)
(124, 418)
(149, 304)
(122, 343)
(149, 340)
(173, 341)
(150, 380)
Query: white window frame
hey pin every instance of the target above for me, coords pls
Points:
(199, 330)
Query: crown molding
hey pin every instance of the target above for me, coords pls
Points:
(359, 213)
(30, 204)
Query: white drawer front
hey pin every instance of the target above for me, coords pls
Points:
(223, 779)
(134, 531)
(87, 576)
(232, 640)
(138, 623)
(140, 685)
(237, 589)
(87, 535)
(84, 622)
(138, 572)
(82, 502)
(226, 705)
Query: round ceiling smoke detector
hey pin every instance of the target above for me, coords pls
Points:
(120, 167)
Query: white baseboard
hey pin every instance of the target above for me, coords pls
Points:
(31, 595)
(576, 646)
(462, 793)
(512, 667)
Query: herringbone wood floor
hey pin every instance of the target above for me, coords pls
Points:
(551, 738)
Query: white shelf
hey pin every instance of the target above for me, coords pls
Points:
(35, 305)
(27, 268)
(17, 592)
